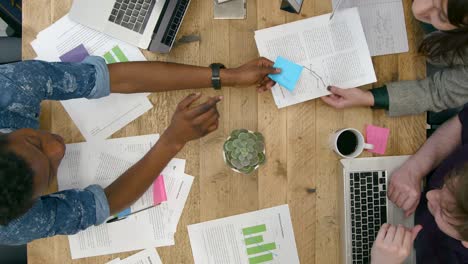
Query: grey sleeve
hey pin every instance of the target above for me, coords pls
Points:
(446, 89)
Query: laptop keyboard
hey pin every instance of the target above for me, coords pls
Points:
(175, 22)
(368, 211)
(132, 14)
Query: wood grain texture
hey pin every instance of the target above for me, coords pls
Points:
(298, 155)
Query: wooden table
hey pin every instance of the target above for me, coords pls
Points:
(298, 157)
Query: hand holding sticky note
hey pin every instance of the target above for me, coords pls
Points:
(377, 136)
(290, 73)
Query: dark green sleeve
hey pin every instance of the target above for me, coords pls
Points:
(381, 99)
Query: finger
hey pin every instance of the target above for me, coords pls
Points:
(267, 85)
(401, 200)
(202, 119)
(213, 127)
(409, 238)
(391, 189)
(270, 70)
(415, 231)
(205, 107)
(390, 235)
(188, 101)
(382, 232)
(412, 209)
(270, 84)
(399, 235)
(210, 122)
(394, 197)
(335, 97)
(336, 90)
(408, 203)
(265, 62)
(263, 82)
(330, 101)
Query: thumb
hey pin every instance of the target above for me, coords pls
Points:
(270, 70)
(415, 231)
(188, 101)
(336, 90)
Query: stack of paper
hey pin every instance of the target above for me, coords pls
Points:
(332, 53)
(148, 256)
(68, 41)
(264, 236)
(103, 162)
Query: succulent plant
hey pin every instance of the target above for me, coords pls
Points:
(244, 150)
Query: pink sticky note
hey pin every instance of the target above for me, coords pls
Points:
(377, 136)
(159, 190)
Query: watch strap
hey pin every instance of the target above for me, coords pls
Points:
(216, 75)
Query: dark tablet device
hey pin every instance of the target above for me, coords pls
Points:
(293, 6)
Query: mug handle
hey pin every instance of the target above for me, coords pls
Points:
(368, 146)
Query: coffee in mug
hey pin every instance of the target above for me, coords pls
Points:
(349, 143)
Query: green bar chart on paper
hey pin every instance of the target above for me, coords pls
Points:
(115, 55)
(257, 250)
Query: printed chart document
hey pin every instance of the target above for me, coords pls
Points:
(384, 24)
(332, 53)
(101, 163)
(99, 118)
(264, 236)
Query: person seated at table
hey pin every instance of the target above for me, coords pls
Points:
(447, 88)
(442, 210)
(29, 158)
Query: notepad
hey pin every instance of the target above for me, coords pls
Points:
(290, 73)
(377, 136)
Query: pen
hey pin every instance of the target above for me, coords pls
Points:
(336, 8)
(117, 218)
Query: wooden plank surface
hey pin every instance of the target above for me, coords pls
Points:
(298, 157)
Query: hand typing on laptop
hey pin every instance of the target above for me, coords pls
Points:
(393, 244)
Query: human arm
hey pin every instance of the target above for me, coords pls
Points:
(70, 211)
(405, 184)
(136, 77)
(443, 90)
(188, 123)
(393, 244)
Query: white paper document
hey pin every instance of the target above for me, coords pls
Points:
(332, 53)
(384, 24)
(114, 261)
(148, 256)
(99, 118)
(103, 162)
(264, 236)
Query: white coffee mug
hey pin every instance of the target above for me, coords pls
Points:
(356, 149)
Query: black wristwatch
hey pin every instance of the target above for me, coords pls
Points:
(215, 75)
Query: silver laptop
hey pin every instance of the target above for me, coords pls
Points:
(365, 207)
(148, 24)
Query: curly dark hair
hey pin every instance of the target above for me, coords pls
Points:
(16, 181)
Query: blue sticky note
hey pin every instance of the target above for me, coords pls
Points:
(290, 73)
(124, 213)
